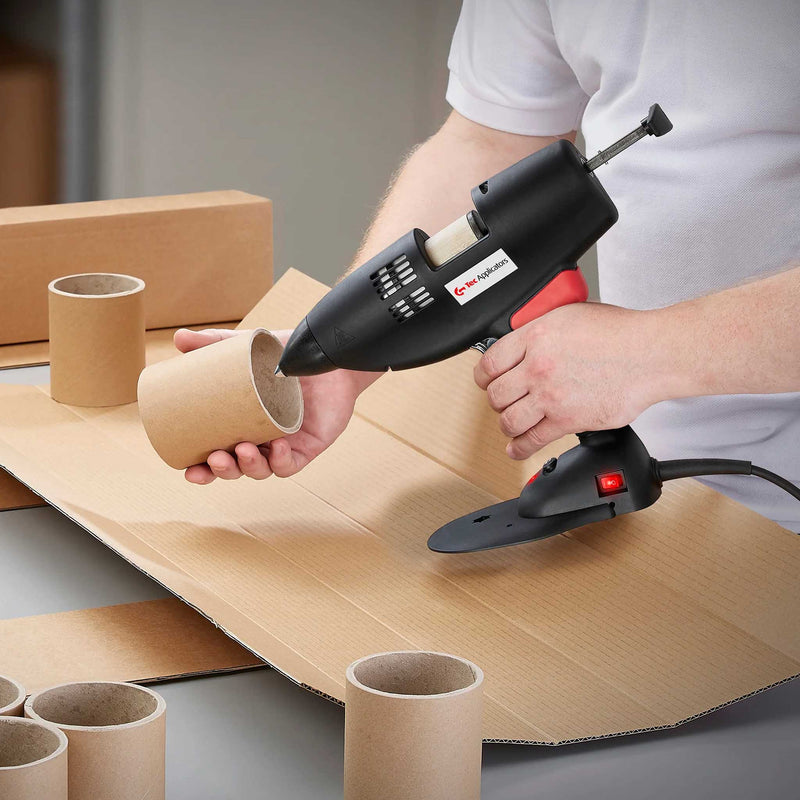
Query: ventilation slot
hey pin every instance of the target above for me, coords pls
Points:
(413, 304)
(387, 280)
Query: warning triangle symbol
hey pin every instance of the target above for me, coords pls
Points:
(342, 337)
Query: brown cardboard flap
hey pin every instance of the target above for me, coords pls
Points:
(203, 256)
(29, 354)
(641, 622)
(299, 293)
(154, 640)
(14, 495)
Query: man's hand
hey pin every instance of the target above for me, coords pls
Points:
(328, 399)
(581, 367)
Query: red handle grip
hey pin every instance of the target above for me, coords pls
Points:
(567, 287)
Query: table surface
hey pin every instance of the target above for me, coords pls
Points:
(256, 734)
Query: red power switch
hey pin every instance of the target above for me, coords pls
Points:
(611, 483)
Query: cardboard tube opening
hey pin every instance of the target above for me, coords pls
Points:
(97, 284)
(24, 742)
(216, 396)
(412, 727)
(96, 328)
(96, 705)
(414, 673)
(12, 697)
(117, 737)
(280, 398)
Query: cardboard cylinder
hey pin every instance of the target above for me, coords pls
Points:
(96, 338)
(116, 735)
(216, 396)
(413, 727)
(12, 697)
(33, 760)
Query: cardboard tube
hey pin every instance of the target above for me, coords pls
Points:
(116, 735)
(413, 727)
(217, 396)
(12, 697)
(96, 338)
(33, 760)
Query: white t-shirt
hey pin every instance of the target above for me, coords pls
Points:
(710, 205)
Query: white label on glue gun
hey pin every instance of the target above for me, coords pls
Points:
(478, 278)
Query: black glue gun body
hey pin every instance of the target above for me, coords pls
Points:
(423, 299)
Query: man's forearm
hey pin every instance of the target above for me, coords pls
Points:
(744, 340)
(432, 187)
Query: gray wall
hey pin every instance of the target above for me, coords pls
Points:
(312, 103)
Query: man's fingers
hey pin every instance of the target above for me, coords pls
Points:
(253, 460)
(283, 460)
(502, 356)
(507, 389)
(186, 340)
(224, 465)
(200, 474)
(520, 417)
(535, 438)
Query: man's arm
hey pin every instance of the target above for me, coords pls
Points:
(591, 366)
(744, 340)
(432, 187)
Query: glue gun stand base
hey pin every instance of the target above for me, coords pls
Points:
(609, 473)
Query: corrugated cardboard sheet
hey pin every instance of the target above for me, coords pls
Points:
(153, 640)
(638, 623)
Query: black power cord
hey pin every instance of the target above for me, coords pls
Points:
(696, 467)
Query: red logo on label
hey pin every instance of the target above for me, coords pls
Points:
(459, 290)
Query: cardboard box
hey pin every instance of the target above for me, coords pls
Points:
(205, 257)
(145, 642)
(28, 127)
(634, 624)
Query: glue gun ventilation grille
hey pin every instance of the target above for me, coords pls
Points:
(412, 304)
(389, 279)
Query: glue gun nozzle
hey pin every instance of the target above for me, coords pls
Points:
(303, 355)
(278, 371)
